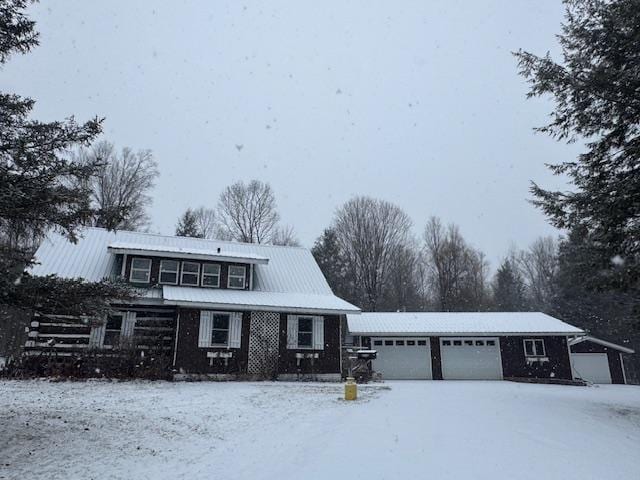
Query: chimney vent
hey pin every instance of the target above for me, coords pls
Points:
(218, 249)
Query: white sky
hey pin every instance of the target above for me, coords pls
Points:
(415, 102)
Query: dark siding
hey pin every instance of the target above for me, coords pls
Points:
(329, 361)
(436, 359)
(615, 360)
(514, 364)
(192, 359)
(155, 270)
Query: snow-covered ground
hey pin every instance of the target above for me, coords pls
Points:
(443, 430)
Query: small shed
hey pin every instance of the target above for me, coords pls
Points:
(598, 361)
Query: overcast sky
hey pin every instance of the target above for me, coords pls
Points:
(418, 103)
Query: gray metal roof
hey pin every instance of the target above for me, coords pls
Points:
(291, 270)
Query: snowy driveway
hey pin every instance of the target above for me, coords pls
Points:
(443, 430)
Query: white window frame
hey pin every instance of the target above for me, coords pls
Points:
(147, 270)
(217, 285)
(213, 329)
(244, 276)
(534, 341)
(163, 270)
(317, 332)
(196, 273)
(234, 332)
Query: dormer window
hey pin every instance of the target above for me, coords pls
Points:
(169, 272)
(190, 274)
(140, 270)
(237, 276)
(210, 275)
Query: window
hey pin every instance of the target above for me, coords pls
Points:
(388, 342)
(220, 329)
(534, 348)
(169, 272)
(468, 343)
(422, 342)
(400, 343)
(140, 270)
(491, 343)
(190, 273)
(411, 343)
(446, 343)
(210, 275)
(457, 343)
(305, 332)
(236, 276)
(112, 330)
(377, 342)
(479, 343)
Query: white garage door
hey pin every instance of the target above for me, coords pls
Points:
(471, 358)
(403, 358)
(593, 367)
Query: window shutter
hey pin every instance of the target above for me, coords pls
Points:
(204, 337)
(318, 333)
(128, 324)
(96, 335)
(292, 331)
(235, 330)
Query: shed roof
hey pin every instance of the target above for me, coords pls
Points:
(453, 323)
(218, 254)
(599, 341)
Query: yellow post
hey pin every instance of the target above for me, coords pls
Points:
(350, 389)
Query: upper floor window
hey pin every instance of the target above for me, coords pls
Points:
(237, 276)
(190, 274)
(169, 272)
(140, 270)
(534, 348)
(210, 275)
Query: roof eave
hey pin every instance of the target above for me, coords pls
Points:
(187, 255)
(249, 307)
(464, 334)
(604, 343)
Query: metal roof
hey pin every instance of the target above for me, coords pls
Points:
(599, 341)
(451, 323)
(252, 300)
(291, 270)
(218, 254)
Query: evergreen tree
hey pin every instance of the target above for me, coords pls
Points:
(41, 187)
(595, 90)
(508, 288)
(188, 225)
(330, 259)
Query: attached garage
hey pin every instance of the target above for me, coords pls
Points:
(598, 361)
(526, 346)
(470, 358)
(403, 358)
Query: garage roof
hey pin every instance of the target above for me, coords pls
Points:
(467, 323)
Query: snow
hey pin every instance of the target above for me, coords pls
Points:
(468, 323)
(444, 430)
(210, 253)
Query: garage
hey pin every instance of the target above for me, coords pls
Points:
(592, 367)
(468, 358)
(403, 358)
(598, 361)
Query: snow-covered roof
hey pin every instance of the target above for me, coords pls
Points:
(150, 249)
(252, 300)
(599, 341)
(292, 276)
(452, 323)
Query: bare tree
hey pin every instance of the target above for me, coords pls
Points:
(247, 213)
(539, 267)
(456, 272)
(285, 236)
(121, 187)
(206, 222)
(370, 232)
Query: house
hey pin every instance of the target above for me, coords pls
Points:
(466, 346)
(207, 307)
(597, 360)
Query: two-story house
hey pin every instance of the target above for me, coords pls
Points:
(214, 308)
